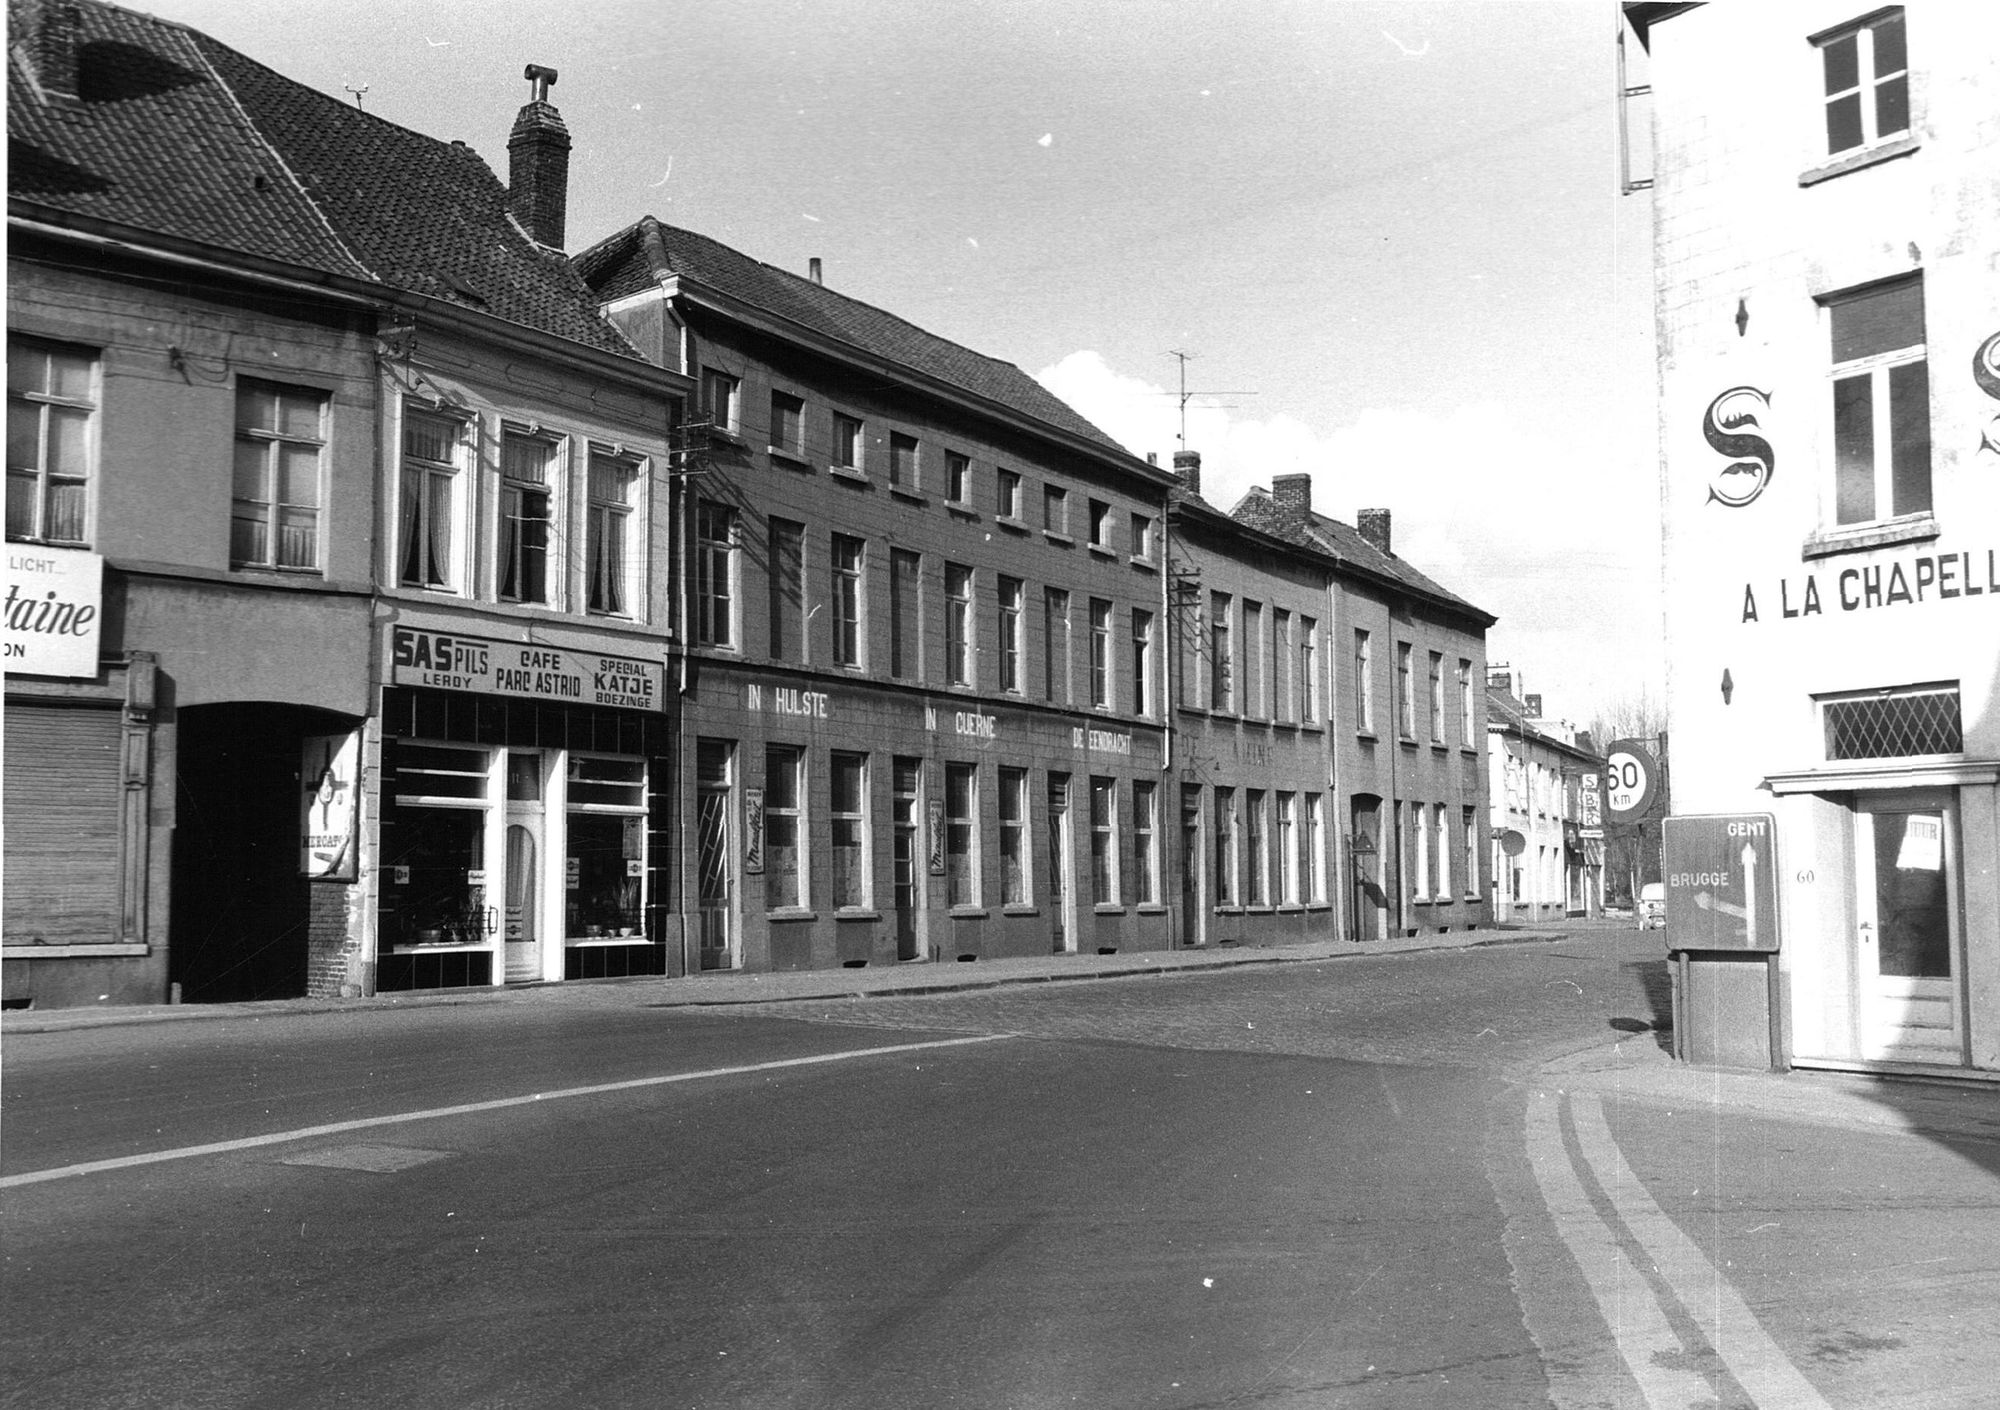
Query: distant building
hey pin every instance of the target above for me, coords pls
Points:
(1545, 785)
(1828, 316)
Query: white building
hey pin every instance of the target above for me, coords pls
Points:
(1542, 785)
(1827, 186)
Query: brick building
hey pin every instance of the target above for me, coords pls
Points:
(1828, 315)
(325, 441)
(1545, 782)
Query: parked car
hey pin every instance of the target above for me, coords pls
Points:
(1653, 906)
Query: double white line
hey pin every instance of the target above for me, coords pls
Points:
(1630, 1301)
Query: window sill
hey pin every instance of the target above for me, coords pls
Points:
(1101, 551)
(848, 472)
(1854, 161)
(599, 942)
(1440, 748)
(960, 508)
(1058, 536)
(717, 435)
(1229, 909)
(1020, 910)
(1107, 908)
(1146, 565)
(790, 913)
(780, 456)
(1151, 908)
(908, 495)
(969, 913)
(1291, 908)
(1857, 538)
(1011, 524)
(1408, 741)
(1367, 736)
(857, 913)
(272, 570)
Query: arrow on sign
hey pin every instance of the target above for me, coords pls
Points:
(1707, 902)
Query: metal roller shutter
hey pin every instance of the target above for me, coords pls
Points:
(64, 792)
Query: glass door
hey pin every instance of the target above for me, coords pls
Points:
(715, 899)
(1059, 855)
(1905, 883)
(907, 861)
(521, 919)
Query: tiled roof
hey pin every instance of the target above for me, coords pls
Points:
(1346, 543)
(175, 133)
(640, 255)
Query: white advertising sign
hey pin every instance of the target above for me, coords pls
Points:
(330, 770)
(55, 608)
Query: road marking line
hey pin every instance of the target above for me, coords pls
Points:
(1646, 1340)
(126, 1162)
(1759, 1365)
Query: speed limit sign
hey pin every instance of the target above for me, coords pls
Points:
(1631, 779)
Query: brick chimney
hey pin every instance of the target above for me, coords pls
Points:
(1187, 465)
(1293, 494)
(813, 270)
(538, 163)
(1534, 704)
(51, 43)
(1374, 526)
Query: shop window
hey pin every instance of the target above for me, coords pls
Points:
(961, 835)
(849, 559)
(848, 804)
(1894, 724)
(1014, 888)
(1867, 82)
(1145, 842)
(1225, 846)
(429, 512)
(434, 846)
(715, 574)
(604, 858)
(1313, 852)
(1881, 403)
(51, 447)
(1103, 842)
(609, 556)
(784, 853)
(527, 479)
(787, 611)
(275, 494)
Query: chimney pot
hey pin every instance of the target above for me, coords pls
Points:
(1374, 526)
(538, 163)
(813, 269)
(1187, 465)
(1293, 494)
(1534, 704)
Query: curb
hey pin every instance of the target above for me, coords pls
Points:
(1199, 961)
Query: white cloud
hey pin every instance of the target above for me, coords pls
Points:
(1538, 521)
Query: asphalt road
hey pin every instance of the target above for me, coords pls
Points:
(1317, 1185)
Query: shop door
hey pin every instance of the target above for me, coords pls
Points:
(1191, 857)
(906, 858)
(520, 917)
(1059, 879)
(1905, 941)
(715, 897)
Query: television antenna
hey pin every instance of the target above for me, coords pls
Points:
(357, 92)
(1185, 395)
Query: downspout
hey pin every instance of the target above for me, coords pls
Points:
(677, 540)
(1170, 802)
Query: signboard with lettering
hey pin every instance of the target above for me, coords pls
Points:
(330, 809)
(1591, 804)
(1631, 780)
(753, 831)
(452, 661)
(1722, 882)
(55, 603)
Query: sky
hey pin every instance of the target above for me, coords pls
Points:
(1387, 237)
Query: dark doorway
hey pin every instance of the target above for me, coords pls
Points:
(239, 919)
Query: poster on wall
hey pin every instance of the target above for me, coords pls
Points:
(55, 597)
(329, 770)
(753, 831)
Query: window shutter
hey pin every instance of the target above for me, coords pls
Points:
(64, 795)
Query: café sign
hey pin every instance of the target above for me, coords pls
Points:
(452, 661)
(55, 603)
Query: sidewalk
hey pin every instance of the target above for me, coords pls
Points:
(736, 987)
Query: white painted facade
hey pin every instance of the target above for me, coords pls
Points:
(1834, 662)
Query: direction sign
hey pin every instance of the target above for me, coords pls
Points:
(1631, 780)
(1722, 882)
